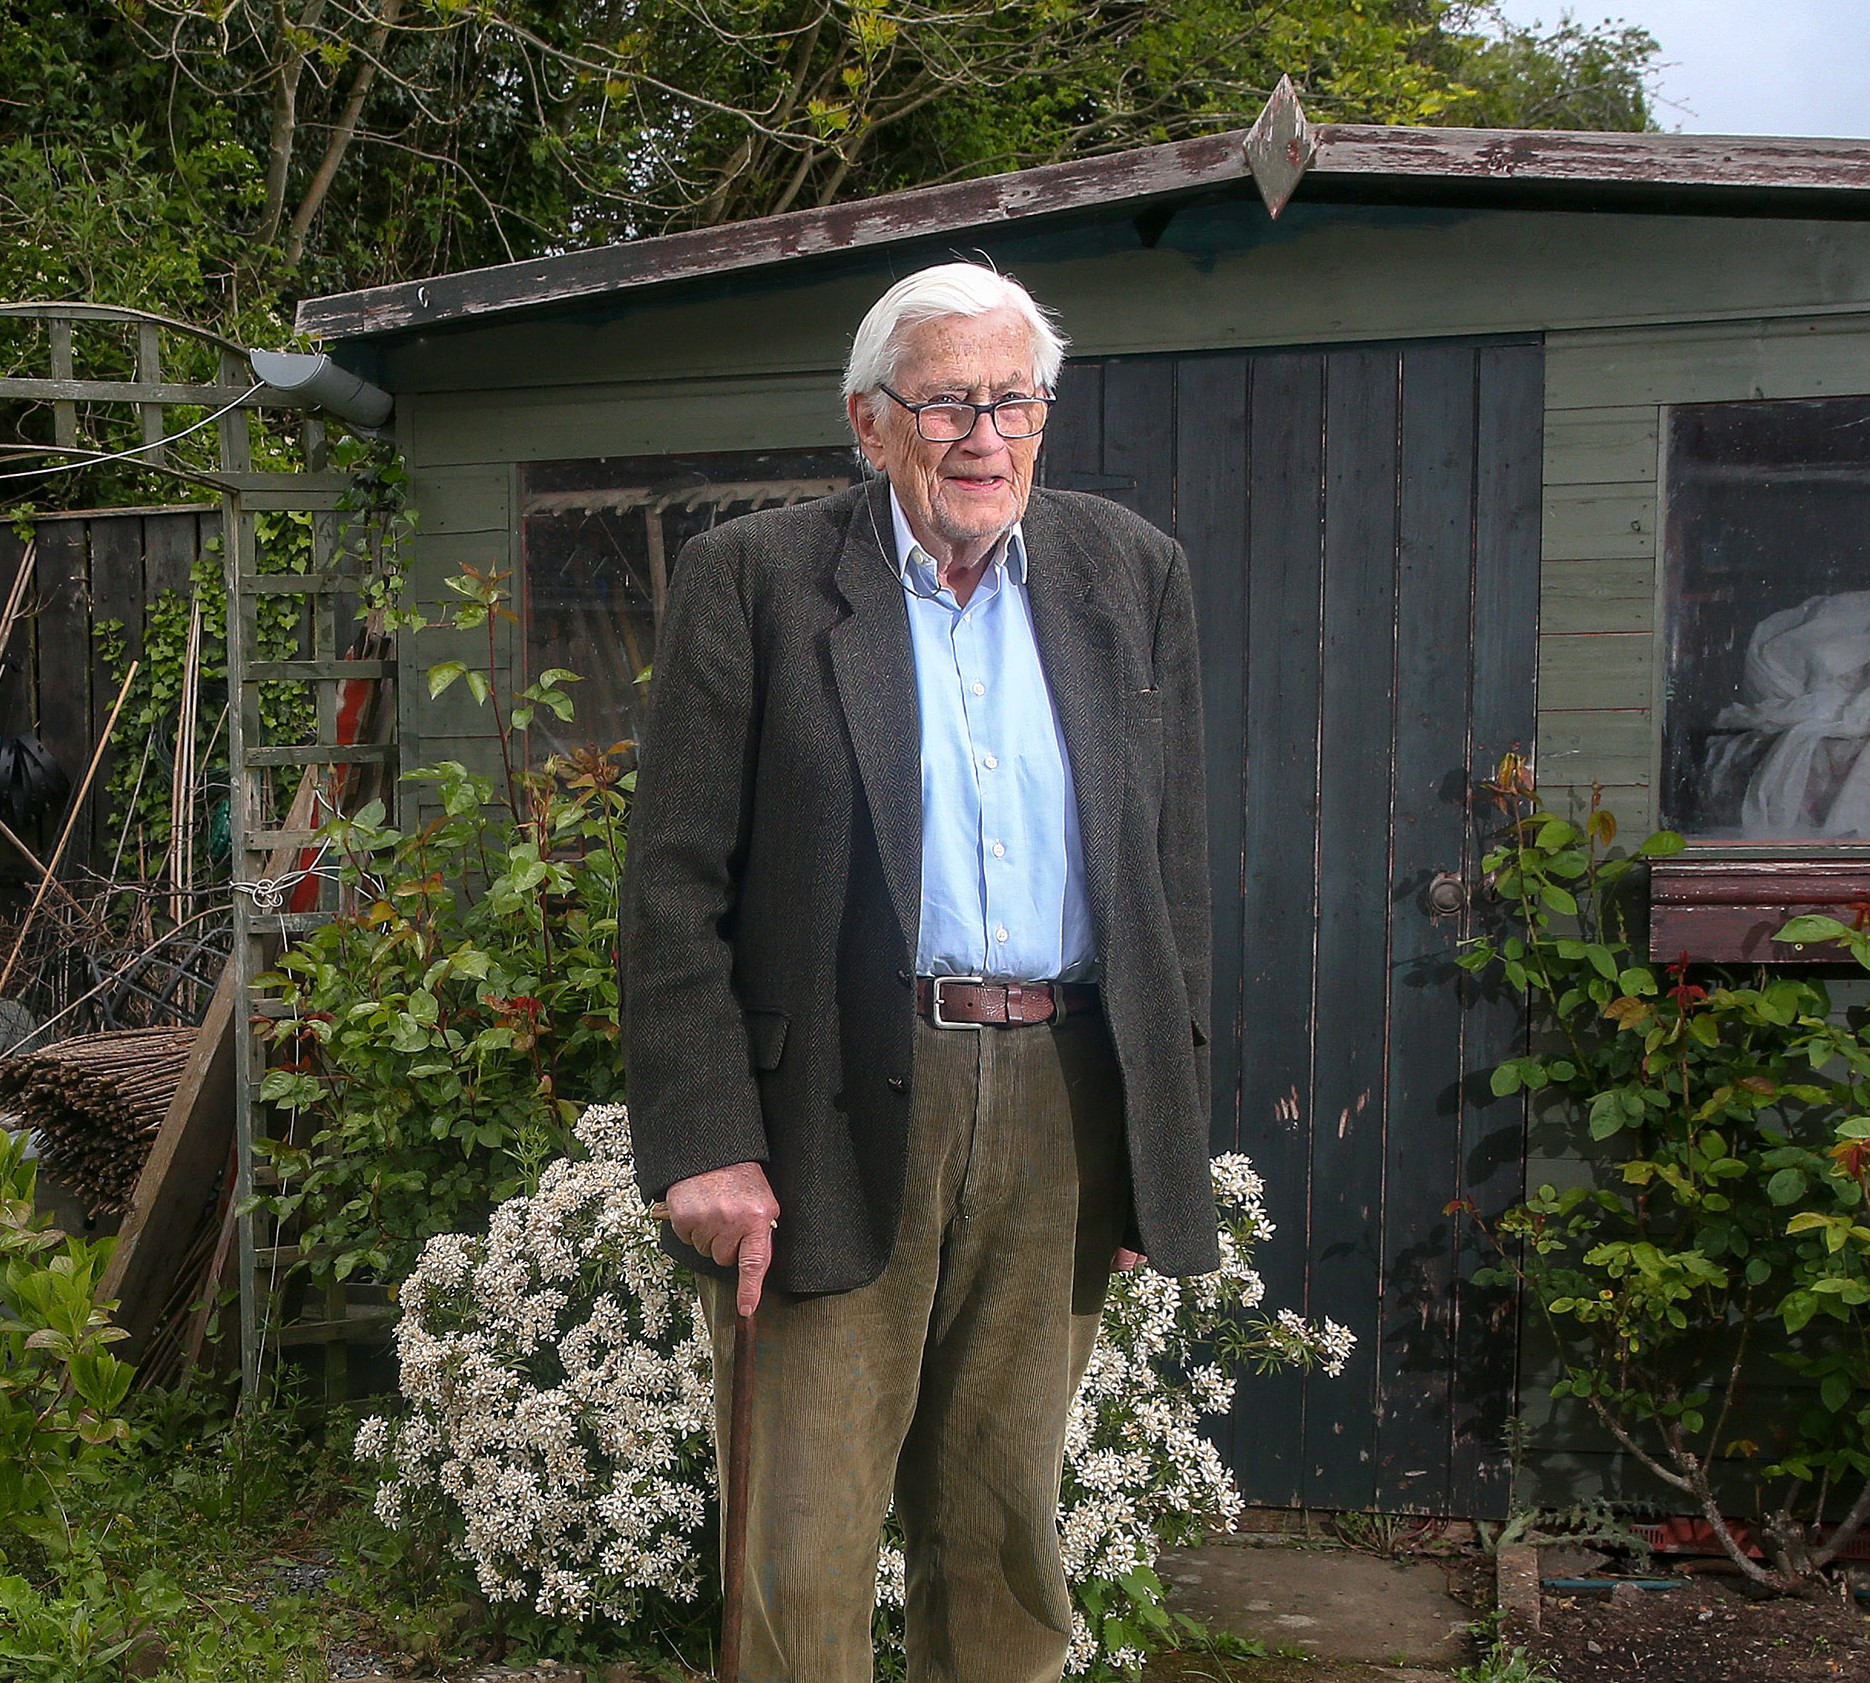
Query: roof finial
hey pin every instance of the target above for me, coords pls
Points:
(1280, 145)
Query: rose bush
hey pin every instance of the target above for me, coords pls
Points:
(557, 1379)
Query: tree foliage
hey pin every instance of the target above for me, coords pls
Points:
(216, 158)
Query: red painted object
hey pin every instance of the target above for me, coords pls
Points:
(355, 696)
(1728, 911)
(1686, 1536)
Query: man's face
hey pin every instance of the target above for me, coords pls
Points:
(958, 497)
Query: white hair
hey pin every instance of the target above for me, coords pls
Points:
(947, 289)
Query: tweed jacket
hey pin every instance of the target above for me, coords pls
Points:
(773, 881)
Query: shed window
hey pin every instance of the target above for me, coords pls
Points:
(1766, 622)
(600, 543)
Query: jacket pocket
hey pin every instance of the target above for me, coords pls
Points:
(766, 1036)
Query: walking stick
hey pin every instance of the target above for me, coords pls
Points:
(734, 1504)
(734, 1515)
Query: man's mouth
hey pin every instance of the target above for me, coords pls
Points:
(977, 482)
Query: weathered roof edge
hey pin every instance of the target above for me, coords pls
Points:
(1534, 158)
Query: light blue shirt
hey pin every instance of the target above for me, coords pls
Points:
(1002, 863)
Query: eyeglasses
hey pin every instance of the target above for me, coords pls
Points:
(949, 420)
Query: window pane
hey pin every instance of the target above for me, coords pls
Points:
(600, 541)
(1766, 622)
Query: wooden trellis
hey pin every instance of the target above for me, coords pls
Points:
(137, 386)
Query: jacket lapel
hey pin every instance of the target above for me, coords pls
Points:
(1078, 647)
(873, 666)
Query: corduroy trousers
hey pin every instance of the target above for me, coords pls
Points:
(945, 1382)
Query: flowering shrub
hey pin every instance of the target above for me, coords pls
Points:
(558, 1378)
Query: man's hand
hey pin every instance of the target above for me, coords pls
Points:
(1127, 1262)
(729, 1214)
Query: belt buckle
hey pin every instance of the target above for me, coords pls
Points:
(935, 1015)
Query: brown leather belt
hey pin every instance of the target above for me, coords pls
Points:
(968, 1002)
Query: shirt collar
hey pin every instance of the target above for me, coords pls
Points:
(1012, 554)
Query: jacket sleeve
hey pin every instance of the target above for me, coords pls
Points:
(694, 1105)
(1182, 830)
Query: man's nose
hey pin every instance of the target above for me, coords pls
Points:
(984, 434)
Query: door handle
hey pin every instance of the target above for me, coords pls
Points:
(1448, 894)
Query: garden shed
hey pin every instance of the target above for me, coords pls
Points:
(1477, 442)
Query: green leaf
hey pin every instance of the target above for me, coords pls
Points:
(1607, 1115)
(443, 674)
(1664, 844)
(1787, 1186)
(1603, 961)
(1560, 900)
(1811, 927)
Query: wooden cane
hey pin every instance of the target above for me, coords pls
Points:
(734, 1516)
(734, 1504)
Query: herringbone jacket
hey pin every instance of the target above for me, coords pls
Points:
(773, 880)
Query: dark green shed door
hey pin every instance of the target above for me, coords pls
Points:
(1363, 530)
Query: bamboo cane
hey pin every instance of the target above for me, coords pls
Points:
(182, 773)
(33, 859)
(16, 595)
(65, 835)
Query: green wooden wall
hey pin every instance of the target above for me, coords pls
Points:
(1607, 394)
(1639, 312)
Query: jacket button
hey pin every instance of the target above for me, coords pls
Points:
(898, 1084)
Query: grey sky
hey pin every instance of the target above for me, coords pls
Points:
(1746, 66)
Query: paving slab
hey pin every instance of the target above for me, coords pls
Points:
(1331, 1604)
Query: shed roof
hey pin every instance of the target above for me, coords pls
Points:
(1283, 154)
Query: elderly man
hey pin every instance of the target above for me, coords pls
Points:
(918, 983)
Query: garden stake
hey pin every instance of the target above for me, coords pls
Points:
(734, 1519)
(71, 823)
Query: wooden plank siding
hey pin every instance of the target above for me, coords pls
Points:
(1346, 1174)
(92, 566)
(1284, 678)
(467, 517)
(1607, 392)
(1219, 276)
(1362, 534)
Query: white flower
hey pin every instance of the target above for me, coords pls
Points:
(557, 1378)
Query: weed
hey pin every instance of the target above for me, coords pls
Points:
(1504, 1665)
(1498, 1662)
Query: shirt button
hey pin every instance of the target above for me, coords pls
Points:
(991, 762)
(999, 934)
(980, 689)
(999, 850)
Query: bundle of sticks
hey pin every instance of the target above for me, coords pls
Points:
(95, 1103)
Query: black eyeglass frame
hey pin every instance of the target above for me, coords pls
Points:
(990, 409)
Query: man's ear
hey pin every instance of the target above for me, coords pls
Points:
(864, 425)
